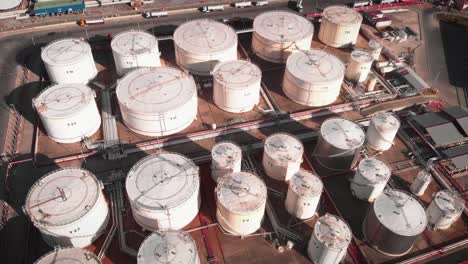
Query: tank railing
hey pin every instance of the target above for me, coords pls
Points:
(113, 229)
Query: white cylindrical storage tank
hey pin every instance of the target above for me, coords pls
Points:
(313, 77)
(9, 4)
(370, 179)
(339, 144)
(240, 202)
(170, 247)
(164, 191)
(371, 82)
(68, 256)
(445, 208)
(226, 157)
(282, 156)
(69, 61)
(329, 241)
(157, 101)
(421, 182)
(236, 86)
(359, 66)
(279, 33)
(382, 130)
(375, 48)
(393, 222)
(68, 112)
(68, 207)
(200, 44)
(303, 194)
(340, 26)
(133, 49)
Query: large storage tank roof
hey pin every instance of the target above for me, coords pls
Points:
(342, 133)
(449, 202)
(65, 51)
(342, 15)
(155, 90)
(282, 26)
(168, 247)
(361, 56)
(162, 181)
(284, 147)
(237, 73)
(241, 192)
(204, 36)
(332, 231)
(63, 100)
(69, 256)
(315, 66)
(9, 4)
(131, 43)
(374, 170)
(385, 121)
(225, 153)
(400, 212)
(62, 197)
(306, 184)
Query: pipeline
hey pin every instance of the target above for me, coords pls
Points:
(113, 229)
(206, 134)
(122, 242)
(436, 252)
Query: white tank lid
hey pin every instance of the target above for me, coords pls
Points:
(162, 181)
(315, 66)
(361, 56)
(63, 100)
(204, 36)
(9, 4)
(168, 247)
(342, 133)
(155, 90)
(374, 44)
(69, 256)
(225, 153)
(305, 184)
(241, 192)
(332, 231)
(400, 212)
(374, 170)
(130, 43)
(450, 202)
(237, 74)
(65, 52)
(282, 26)
(385, 120)
(342, 15)
(62, 197)
(284, 147)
